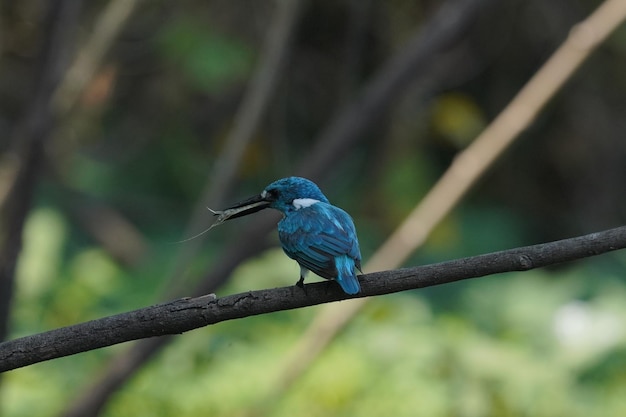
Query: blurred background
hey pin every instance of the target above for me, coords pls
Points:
(121, 120)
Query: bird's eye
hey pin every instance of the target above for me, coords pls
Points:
(273, 194)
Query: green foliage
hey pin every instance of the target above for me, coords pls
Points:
(208, 60)
(407, 179)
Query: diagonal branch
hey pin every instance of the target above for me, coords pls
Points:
(186, 314)
(88, 60)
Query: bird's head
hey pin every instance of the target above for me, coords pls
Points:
(285, 195)
(292, 193)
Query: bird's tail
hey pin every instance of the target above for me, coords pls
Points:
(346, 276)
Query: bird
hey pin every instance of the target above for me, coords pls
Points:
(320, 237)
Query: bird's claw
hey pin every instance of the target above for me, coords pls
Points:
(300, 284)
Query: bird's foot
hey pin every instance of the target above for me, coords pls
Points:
(300, 284)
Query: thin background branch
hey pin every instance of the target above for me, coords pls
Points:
(107, 27)
(464, 172)
(186, 314)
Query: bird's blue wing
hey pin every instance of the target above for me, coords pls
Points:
(316, 235)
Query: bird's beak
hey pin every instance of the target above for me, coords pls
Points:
(248, 206)
(243, 208)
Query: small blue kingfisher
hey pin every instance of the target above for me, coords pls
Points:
(319, 236)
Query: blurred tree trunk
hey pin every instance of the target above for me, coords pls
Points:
(29, 136)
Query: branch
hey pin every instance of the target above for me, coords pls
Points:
(107, 27)
(186, 314)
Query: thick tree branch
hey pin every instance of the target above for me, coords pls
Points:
(191, 313)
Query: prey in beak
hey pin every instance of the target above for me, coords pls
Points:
(243, 208)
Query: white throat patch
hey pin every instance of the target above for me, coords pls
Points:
(299, 203)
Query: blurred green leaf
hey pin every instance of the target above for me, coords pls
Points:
(209, 60)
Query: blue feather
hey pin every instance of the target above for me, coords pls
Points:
(345, 274)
